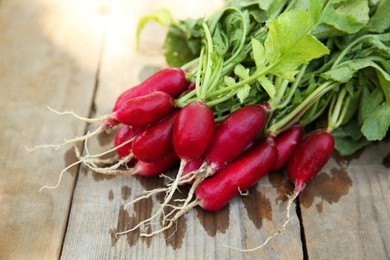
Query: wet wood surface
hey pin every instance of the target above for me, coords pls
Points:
(80, 55)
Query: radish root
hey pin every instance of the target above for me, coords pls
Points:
(291, 199)
(96, 132)
(89, 120)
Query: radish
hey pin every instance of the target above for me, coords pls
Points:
(144, 110)
(233, 135)
(286, 143)
(124, 134)
(171, 81)
(309, 157)
(229, 140)
(215, 192)
(156, 141)
(307, 160)
(189, 169)
(192, 132)
(154, 168)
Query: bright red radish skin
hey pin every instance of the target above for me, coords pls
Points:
(244, 172)
(234, 134)
(189, 168)
(170, 80)
(309, 157)
(144, 110)
(192, 131)
(155, 141)
(124, 134)
(286, 142)
(155, 168)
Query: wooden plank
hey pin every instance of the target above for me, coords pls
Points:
(346, 208)
(48, 56)
(97, 209)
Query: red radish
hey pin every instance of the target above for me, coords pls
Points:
(244, 172)
(311, 154)
(144, 110)
(309, 157)
(189, 169)
(215, 192)
(233, 135)
(154, 168)
(286, 142)
(124, 134)
(170, 80)
(229, 140)
(156, 141)
(193, 130)
(192, 133)
(191, 86)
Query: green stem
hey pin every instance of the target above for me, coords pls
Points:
(199, 73)
(338, 109)
(182, 101)
(348, 48)
(221, 100)
(293, 88)
(208, 62)
(190, 64)
(294, 115)
(240, 83)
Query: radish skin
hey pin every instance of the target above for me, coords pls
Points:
(309, 157)
(286, 142)
(170, 80)
(193, 130)
(155, 168)
(215, 192)
(233, 135)
(145, 110)
(125, 133)
(155, 141)
(307, 160)
(244, 172)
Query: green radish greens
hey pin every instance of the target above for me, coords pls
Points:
(297, 56)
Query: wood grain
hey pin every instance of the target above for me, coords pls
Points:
(97, 210)
(346, 208)
(46, 58)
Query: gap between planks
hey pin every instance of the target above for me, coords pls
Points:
(87, 125)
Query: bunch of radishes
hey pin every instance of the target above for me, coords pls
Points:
(220, 160)
(237, 106)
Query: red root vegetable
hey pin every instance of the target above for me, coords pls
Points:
(244, 172)
(241, 174)
(286, 142)
(188, 176)
(156, 141)
(229, 140)
(171, 81)
(233, 135)
(307, 160)
(154, 168)
(124, 134)
(193, 130)
(310, 157)
(145, 110)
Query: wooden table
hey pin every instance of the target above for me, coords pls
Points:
(80, 55)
